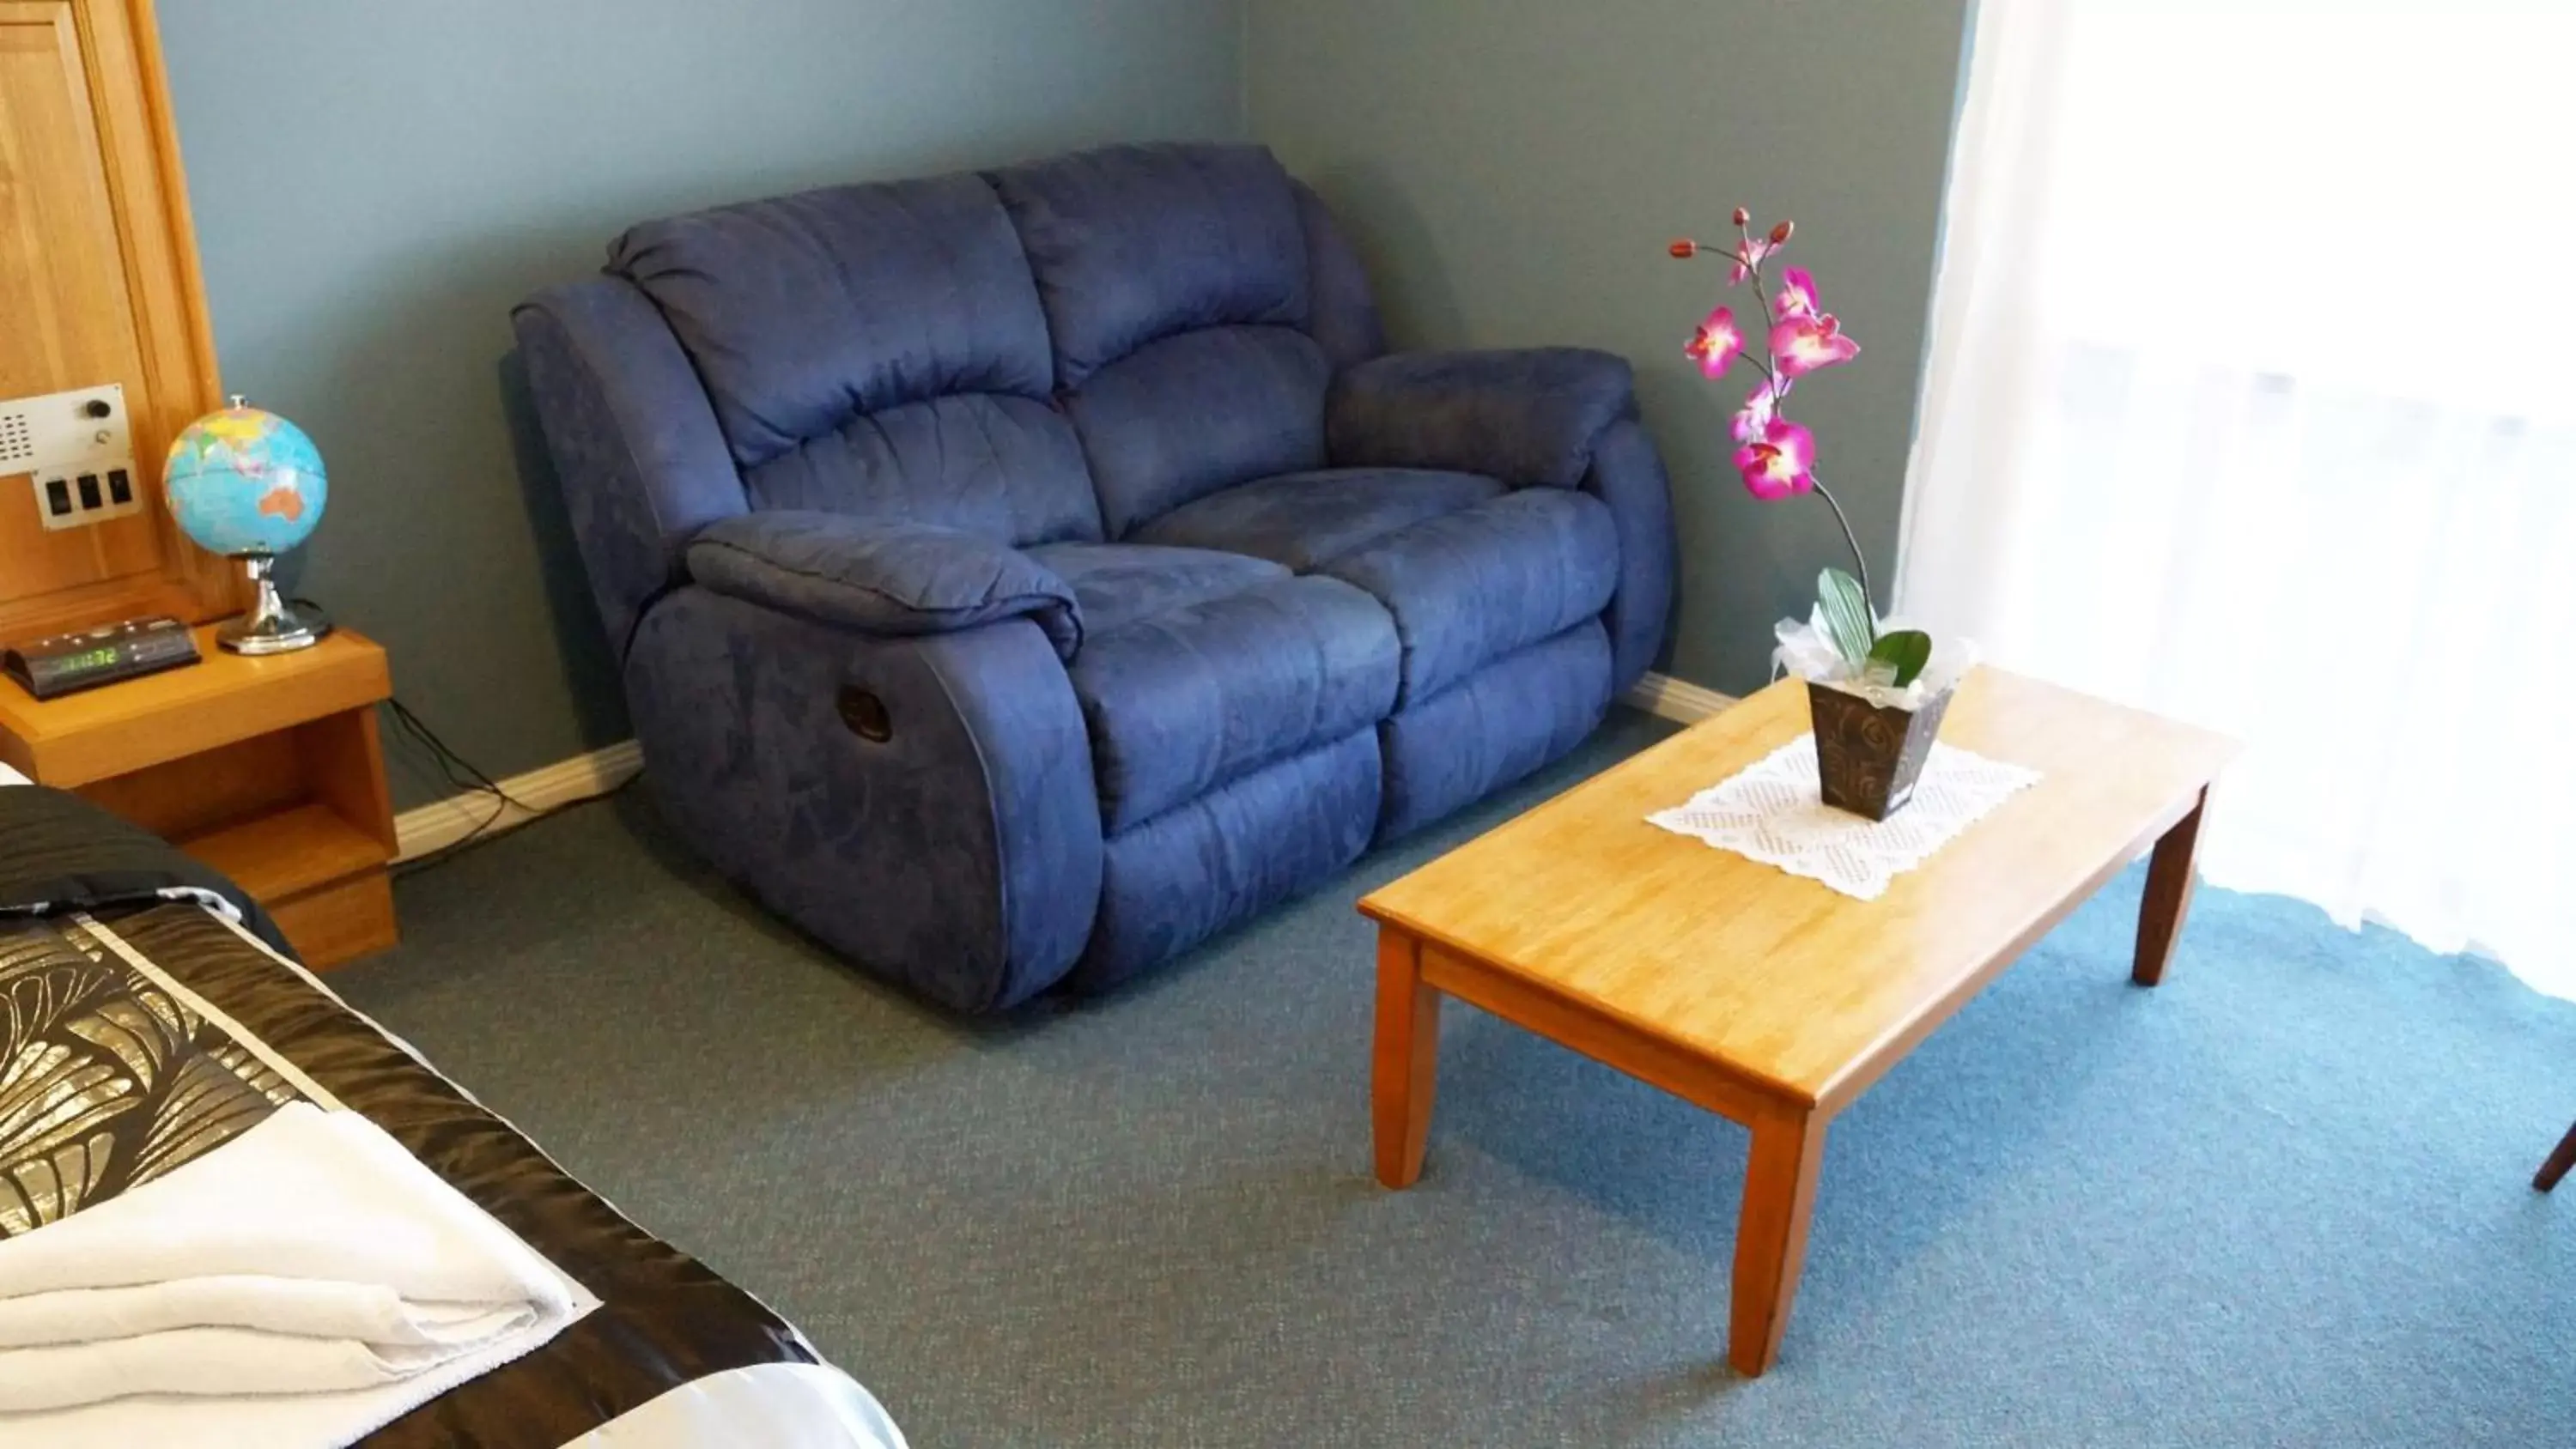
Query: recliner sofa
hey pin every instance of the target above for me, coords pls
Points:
(1020, 577)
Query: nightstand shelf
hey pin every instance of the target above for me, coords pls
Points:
(268, 769)
(288, 853)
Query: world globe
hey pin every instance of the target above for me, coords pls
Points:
(244, 481)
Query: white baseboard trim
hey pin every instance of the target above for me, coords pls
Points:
(1673, 699)
(539, 792)
(549, 788)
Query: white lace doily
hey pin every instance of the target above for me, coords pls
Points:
(1771, 812)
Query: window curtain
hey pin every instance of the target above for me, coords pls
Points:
(2251, 402)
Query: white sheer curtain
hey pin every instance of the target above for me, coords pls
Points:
(2253, 401)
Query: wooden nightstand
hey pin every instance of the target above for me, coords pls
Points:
(267, 769)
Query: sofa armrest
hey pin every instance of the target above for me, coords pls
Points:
(890, 579)
(1526, 417)
(951, 843)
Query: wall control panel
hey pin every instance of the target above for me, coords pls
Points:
(78, 449)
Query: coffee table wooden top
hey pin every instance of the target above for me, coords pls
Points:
(1800, 993)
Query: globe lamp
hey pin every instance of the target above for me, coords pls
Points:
(248, 484)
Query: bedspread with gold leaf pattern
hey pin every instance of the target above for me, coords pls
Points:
(107, 1080)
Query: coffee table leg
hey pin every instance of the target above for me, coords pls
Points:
(1406, 1067)
(2168, 895)
(1771, 1236)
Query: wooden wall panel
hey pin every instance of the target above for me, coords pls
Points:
(98, 259)
(63, 287)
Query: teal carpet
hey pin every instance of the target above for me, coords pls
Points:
(2282, 1200)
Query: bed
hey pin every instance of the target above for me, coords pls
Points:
(670, 1355)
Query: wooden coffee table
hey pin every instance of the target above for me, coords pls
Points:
(1759, 995)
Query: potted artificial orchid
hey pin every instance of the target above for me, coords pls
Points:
(1874, 692)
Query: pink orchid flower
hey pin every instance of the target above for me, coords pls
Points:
(1749, 254)
(1802, 344)
(1760, 407)
(1784, 462)
(1797, 295)
(1714, 346)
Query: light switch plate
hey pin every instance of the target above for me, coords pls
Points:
(63, 496)
(78, 447)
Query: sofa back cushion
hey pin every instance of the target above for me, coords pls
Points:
(1175, 285)
(877, 350)
(1341, 314)
(1199, 412)
(999, 465)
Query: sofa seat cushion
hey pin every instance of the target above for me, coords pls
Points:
(1304, 520)
(1492, 727)
(1120, 583)
(1475, 585)
(1185, 699)
(1177, 879)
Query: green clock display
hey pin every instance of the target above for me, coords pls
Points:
(92, 657)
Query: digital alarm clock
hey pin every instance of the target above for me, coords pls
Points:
(92, 657)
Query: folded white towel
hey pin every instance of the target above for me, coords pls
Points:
(316, 1308)
(309, 1256)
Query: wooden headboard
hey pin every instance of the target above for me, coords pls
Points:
(99, 285)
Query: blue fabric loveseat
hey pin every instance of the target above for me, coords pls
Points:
(1020, 577)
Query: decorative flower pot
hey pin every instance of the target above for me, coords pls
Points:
(1869, 756)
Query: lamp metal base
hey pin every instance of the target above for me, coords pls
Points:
(273, 626)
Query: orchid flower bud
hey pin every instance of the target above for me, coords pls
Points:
(1742, 216)
(1684, 248)
(1780, 234)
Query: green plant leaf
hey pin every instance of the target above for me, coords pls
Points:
(1847, 617)
(1906, 651)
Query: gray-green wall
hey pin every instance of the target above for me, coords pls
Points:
(375, 184)
(1512, 169)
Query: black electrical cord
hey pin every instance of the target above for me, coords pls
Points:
(462, 776)
(460, 771)
(454, 848)
(467, 778)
